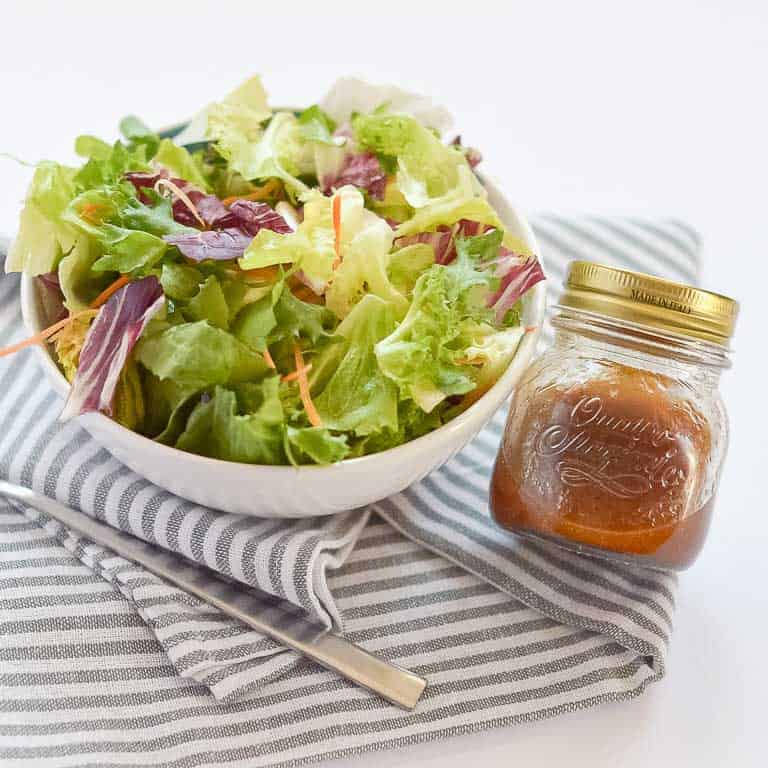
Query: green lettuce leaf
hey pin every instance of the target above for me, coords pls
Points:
(126, 250)
(407, 264)
(181, 164)
(315, 125)
(366, 240)
(366, 243)
(359, 397)
(198, 355)
(91, 147)
(460, 202)
(245, 425)
(180, 281)
(492, 349)
(209, 304)
(298, 319)
(426, 168)
(156, 219)
(79, 283)
(109, 169)
(256, 321)
(315, 445)
(424, 355)
(138, 134)
(43, 238)
(310, 247)
(240, 114)
(278, 151)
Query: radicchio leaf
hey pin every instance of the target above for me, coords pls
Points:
(208, 206)
(251, 217)
(109, 341)
(143, 182)
(443, 241)
(51, 297)
(517, 276)
(216, 244)
(361, 170)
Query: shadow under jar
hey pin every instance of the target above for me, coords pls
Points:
(616, 435)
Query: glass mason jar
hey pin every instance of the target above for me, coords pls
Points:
(616, 435)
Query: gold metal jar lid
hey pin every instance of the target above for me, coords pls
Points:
(648, 300)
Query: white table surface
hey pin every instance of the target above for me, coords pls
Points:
(652, 108)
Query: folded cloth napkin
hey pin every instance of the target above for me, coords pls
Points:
(504, 630)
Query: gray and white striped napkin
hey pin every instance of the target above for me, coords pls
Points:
(103, 664)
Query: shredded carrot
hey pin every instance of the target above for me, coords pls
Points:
(293, 375)
(268, 358)
(109, 290)
(301, 375)
(261, 274)
(262, 193)
(530, 328)
(468, 361)
(89, 212)
(337, 230)
(42, 336)
(303, 292)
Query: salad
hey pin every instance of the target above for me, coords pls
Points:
(276, 287)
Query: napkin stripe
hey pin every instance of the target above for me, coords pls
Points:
(83, 682)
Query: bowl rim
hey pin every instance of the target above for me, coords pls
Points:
(497, 393)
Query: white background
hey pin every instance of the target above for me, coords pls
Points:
(645, 108)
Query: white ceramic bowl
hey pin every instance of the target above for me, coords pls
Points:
(267, 491)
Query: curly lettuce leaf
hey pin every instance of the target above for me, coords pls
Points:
(128, 232)
(105, 169)
(424, 355)
(426, 168)
(244, 425)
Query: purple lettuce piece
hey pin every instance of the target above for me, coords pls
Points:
(109, 341)
(51, 297)
(144, 182)
(467, 228)
(443, 241)
(251, 217)
(361, 170)
(210, 208)
(215, 244)
(517, 276)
